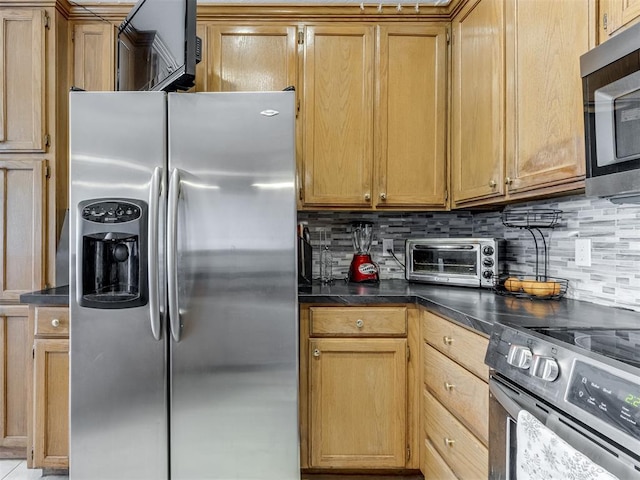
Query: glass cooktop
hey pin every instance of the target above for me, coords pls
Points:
(622, 345)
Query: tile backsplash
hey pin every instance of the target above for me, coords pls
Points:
(614, 230)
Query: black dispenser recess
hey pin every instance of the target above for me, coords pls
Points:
(113, 253)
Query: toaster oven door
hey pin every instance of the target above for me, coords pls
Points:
(457, 264)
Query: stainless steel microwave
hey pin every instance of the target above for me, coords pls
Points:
(471, 262)
(611, 92)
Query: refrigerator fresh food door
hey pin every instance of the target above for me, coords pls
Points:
(118, 405)
(233, 355)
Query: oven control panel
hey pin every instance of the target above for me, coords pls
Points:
(614, 400)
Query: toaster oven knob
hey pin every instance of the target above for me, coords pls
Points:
(545, 368)
(487, 274)
(487, 262)
(519, 356)
(487, 250)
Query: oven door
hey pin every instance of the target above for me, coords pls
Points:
(507, 402)
(454, 264)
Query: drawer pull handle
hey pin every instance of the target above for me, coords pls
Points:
(449, 442)
(316, 353)
(55, 323)
(447, 340)
(449, 386)
(359, 323)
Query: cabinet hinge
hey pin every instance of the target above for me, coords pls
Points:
(300, 194)
(446, 195)
(408, 353)
(31, 453)
(408, 452)
(47, 172)
(47, 140)
(448, 37)
(47, 23)
(298, 108)
(605, 21)
(300, 37)
(33, 352)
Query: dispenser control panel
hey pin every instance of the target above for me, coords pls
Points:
(111, 212)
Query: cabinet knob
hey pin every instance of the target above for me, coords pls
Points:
(55, 322)
(316, 353)
(492, 184)
(359, 323)
(383, 196)
(447, 340)
(449, 386)
(367, 196)
(508, 181)
(449, 442)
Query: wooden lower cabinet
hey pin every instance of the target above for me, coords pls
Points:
(357, 407)
(15, 353)
(454, 401)
(49, 397)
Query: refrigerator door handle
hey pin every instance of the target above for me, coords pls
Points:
(172, 256)
(154, 239)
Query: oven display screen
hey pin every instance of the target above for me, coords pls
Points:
(614, 400)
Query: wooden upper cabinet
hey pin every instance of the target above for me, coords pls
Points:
(22, 205)
(251, 58)
(411, 116)
(545, 126)
(94, 56)
(477, 117)
(337, 105)
(615, 16)
(22, 80)
(520, 135)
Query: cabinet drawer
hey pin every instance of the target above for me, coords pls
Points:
(434, 465)
(464, 346)
(358, 321)
(464, 454)
(52, 321)
(459, 390)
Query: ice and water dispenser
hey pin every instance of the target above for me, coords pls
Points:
(112, 253)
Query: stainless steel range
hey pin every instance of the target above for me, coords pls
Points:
(581, 384)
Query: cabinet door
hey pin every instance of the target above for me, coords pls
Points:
(22, 80)
(411, 116)
(545, 133)
(22, 201)
(477, 117)
(15, 350)
(338, 115)
(251, 58)
(94, 56)
(358, 401)
(51, 400)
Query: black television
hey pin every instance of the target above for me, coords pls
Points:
(157, 46)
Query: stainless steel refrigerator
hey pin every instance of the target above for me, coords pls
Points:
(183, 286)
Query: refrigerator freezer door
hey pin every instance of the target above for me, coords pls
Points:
(234, 369)
(118, 405)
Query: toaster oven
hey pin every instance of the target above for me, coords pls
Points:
(471, 262)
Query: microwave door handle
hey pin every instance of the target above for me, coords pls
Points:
(172, 255)
(153, 243)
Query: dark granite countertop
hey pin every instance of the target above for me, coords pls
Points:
(474, 308)
(471, 307)
(58, 296)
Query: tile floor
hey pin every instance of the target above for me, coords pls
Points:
(17, 470)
